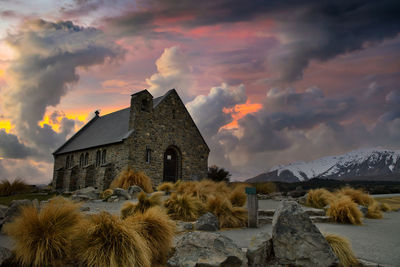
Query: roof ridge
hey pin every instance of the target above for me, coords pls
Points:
(114, 112)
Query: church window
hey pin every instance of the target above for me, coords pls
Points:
(104, 157)
(81, 160)
(148, 155)
(98, 157)
(145, 105)
(86, 159)
(67, 162)
(71, 161)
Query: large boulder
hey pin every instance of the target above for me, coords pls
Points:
(297, 241)
(207, 222)
(89, 192)
(133, 190)
(5, 254)
(13, 210)
(259, 252)
(206, 249)
(122, 193)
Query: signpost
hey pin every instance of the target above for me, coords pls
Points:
(252, 206)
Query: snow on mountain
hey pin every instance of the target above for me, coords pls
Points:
(362, 162)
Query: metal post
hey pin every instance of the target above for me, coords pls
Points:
(252, 207)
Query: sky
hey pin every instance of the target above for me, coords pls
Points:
(267, 82)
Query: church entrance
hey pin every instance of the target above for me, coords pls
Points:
(172, 164)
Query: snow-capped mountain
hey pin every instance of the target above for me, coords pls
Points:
(363, 163)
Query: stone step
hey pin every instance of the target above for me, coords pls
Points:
(262, 220)
(309, 211)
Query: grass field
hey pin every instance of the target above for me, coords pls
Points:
(393, 202)
(41, 196)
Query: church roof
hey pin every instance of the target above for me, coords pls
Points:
(102, 130)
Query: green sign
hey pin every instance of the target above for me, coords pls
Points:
(250, 190)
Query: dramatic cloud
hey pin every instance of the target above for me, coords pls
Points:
(48, 57)
(11, 147)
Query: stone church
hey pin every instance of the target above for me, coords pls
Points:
(154, 135)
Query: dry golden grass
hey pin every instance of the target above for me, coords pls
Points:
(319, 198)
(106, 193)
(166, 187)
(374, 211)
(384, 207)
(143, 204)
(344, 210)
(203, 189)
(238, 196)
(130, 177)
(158, 230)
(44, 238)
(9, 188)
(183, 207)
(106, 240)
(266, 188)
(393, 202)
(342, 249)
(228, 216)
(357, 195)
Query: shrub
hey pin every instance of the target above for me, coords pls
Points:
(357, 195)
(130, 177)
(17, 186)
(319, 198)
(143, 204)
(183, 207)
(106, 240)
(218, 174)
(228, 216)
(342, 249)
(385, 207)
(157, 229)
(106, 193)
(238, 196)
(167, 187)
(374, 211)
(44, 238)
(266, 188)
(344, 210)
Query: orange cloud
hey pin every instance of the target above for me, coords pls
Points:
(239, 111)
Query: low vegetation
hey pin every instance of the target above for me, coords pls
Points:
(166, 187)
(44, 238)
(392, 202)
(31, 196)
(228, 216)
(17, 186)
(131, 177)
(359, 196)
(344, 210)
(144, 203)
(218, 174)
(183, 207)
(266, 188)
(238, 196)
(374, 211)
(319, 198)
(106, 193)
(342, 249)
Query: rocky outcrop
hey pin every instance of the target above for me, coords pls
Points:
(13, 210)
(122, 193)
(296, 240)
(260, 251)
(5, 254)
(206, 249)
(134, 190)
(207, 222)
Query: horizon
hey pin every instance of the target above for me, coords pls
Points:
(267, 83)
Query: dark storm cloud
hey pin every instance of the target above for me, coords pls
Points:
(81, 7)
(46, 67)
(313, 30)
(11, 147)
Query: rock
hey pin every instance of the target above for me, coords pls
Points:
(133, 190)
(5, 254)
(13, 210)
(84, 208)
(207, 222)
(315, 212)
(363, 209)
(206, 249)
(122, 193)
(302, 200)
(113, 199)
(183, 226)
(90, 192)
(3, 210)
(35, 203)
(296, 240)
(259, 252)
(80, 198)
(264, 220)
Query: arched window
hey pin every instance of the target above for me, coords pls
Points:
(104, 157)
(148, 155)
(81, 160)
(67, 162)
(71, 161)
(98, 154)
(86, 159)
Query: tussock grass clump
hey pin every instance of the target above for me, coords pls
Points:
(157, 229)
(357, 195)
(166, 187)
(106, 240)
(342, 249)
(374, 211)
(319, 198)
(143, 204)
(9, 188)
(44, 238)
(183, 207)
(228, 216)
(384, 207)
(106, 193)
(129, 177)
(266, 188)
(344, 210)
(238, 196)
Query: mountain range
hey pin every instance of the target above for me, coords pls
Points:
(362, 164)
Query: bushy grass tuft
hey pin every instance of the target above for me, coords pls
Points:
(238, 196)
(342, 249)
(106, 240)
(319, 198)
(344, 210)
(44, 238)
(106, 193)
(357, 195)
(166, 187)
(129, 177)
(183, 207)
(128, 209)
(228, 216)
(266, 188)
(143, 204)
(374, 211)
(385, 207)
(9, 188)
(157, 229)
